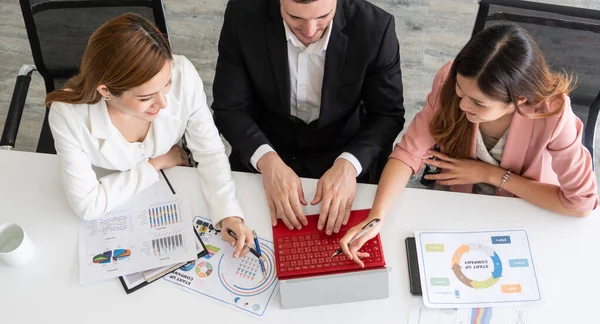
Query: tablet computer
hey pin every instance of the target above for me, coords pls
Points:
(413, 266)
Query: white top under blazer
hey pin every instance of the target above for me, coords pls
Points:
(84, 137)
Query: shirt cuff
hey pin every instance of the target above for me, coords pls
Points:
(260, 151)
(352, 159)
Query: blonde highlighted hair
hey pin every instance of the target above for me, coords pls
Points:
(506, 64)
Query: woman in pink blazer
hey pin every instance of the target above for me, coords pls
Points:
(497, 102)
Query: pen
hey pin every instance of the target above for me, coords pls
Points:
(252, 250)
(364, 230)
(260, 260)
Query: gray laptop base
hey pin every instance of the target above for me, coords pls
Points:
(335, 288)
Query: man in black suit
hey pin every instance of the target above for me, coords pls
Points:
(309, 88)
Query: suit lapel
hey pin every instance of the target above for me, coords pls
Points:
(113, 146)
(517, 143)
(334, 66)
(167, 127)
(109, 140)
(278, 53)
(516, 146)
(515, 149)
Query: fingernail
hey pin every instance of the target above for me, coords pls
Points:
(235, 255)
(328, 232)
(305, 223)
(290, 227)
(232, 244)
(320, 227)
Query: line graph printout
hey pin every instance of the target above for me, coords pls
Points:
(148, 232)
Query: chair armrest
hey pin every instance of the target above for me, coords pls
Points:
(15, 110)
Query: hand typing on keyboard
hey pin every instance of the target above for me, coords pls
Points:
(284, 192)
(306, 254)
(335, 191)
(351, 249)
(310, 251)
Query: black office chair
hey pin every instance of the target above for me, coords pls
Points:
(570, 40)
(58, 32)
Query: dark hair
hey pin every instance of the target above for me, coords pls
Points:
(506, 64)
(124, 53)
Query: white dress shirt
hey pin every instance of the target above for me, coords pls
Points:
(307, 66)
(85, 136)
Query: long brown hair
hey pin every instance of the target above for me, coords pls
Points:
(506, 64)
(124, 53)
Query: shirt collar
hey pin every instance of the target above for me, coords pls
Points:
(99, 119)
(319, 46)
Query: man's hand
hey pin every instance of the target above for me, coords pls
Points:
(335, 191)
(284, 191)
(458, 172)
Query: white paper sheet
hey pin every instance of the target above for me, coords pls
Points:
(477, 269)
(419, 314)
(239, 283)
(153, 230)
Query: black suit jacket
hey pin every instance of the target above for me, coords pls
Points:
(361, 106)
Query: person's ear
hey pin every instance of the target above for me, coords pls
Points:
(521, 100)
(103, 90)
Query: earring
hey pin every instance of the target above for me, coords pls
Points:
(106, 97)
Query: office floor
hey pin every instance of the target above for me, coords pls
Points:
(430, 32)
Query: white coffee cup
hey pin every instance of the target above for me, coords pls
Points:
(16, 248)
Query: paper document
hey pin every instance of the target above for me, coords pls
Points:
(477, 269)
(419, 314)
(151, 231)
(238, 282)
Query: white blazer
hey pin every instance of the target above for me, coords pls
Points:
(84, 137)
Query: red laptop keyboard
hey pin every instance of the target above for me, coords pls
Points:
(307, 252)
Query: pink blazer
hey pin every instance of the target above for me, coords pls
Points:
(548, 150)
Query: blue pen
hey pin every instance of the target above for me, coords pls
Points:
(256, 244)
(260, 260)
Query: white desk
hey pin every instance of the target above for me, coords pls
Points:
(566, 249)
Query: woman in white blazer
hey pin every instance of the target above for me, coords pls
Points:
(126, 110)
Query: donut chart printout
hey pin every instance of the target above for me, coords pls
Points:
(150, 231)
(238, 283)
(473, 269)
